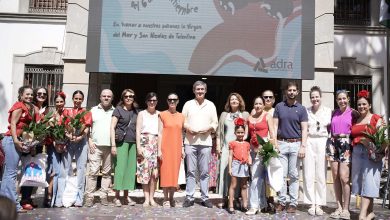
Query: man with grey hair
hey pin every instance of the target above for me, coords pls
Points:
(200, 121)
(100, 148)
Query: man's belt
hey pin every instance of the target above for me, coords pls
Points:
(290, 140)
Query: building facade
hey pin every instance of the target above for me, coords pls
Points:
(350, 52)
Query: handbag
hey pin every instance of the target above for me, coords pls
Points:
(120, 134)
(34, 170)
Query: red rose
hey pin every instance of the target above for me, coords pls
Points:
(363, 94)
(62, 95)
(239, 122)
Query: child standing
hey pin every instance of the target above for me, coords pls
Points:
(239, 161)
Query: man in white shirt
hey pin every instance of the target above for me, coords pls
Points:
(100, 148)
(200, 121)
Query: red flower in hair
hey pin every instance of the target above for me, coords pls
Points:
(363, 94)
(239, 122)
(62, 94)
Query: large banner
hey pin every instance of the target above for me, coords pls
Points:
(249, 38)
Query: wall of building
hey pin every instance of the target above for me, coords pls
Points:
(22, 38)
(324, 54)
(9, 6)
(75, 77)
(368, 49)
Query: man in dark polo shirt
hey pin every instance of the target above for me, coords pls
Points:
(290, 119)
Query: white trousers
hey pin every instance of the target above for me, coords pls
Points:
(314, 171)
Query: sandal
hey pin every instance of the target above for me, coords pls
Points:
(231, 210)
(153, 204)
(172, 203)
(166, 204)
(345, 215)
(129, 201)
(244, 209)
(335, 214)
(371, 216)
(21, 210)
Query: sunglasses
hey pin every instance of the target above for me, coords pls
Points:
(268, 97)
(152, 100)
(128, 96)
(41, 94)
(172, 100)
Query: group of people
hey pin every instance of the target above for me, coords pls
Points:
(147, 145)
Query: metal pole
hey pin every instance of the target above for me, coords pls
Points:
(388, 103)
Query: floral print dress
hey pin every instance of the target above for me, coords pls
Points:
(147, 166)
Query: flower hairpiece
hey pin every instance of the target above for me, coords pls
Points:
(363, 94)
(239, 121)
(62, 94)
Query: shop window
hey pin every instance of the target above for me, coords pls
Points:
(48, 76)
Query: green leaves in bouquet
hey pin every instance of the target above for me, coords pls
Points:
(37, 130)
(380, 137)
(76, 122)
(267, 150)
(58, 131)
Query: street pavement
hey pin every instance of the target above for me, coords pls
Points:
(99, 212)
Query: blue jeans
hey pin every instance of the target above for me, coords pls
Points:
(197, 157)
(289, 158)
(257, 188)
(53, 169)
(79, 151)
(8, 182)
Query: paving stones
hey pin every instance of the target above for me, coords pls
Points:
(196, 212)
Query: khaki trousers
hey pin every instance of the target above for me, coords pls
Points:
(100, 158)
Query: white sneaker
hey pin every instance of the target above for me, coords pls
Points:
(312, 211)
(319, 210)
(117, 202)
(252, 211)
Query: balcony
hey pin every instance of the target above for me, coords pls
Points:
(48, 6)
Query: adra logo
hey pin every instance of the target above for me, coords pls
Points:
(276, 65)
(281, 65)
